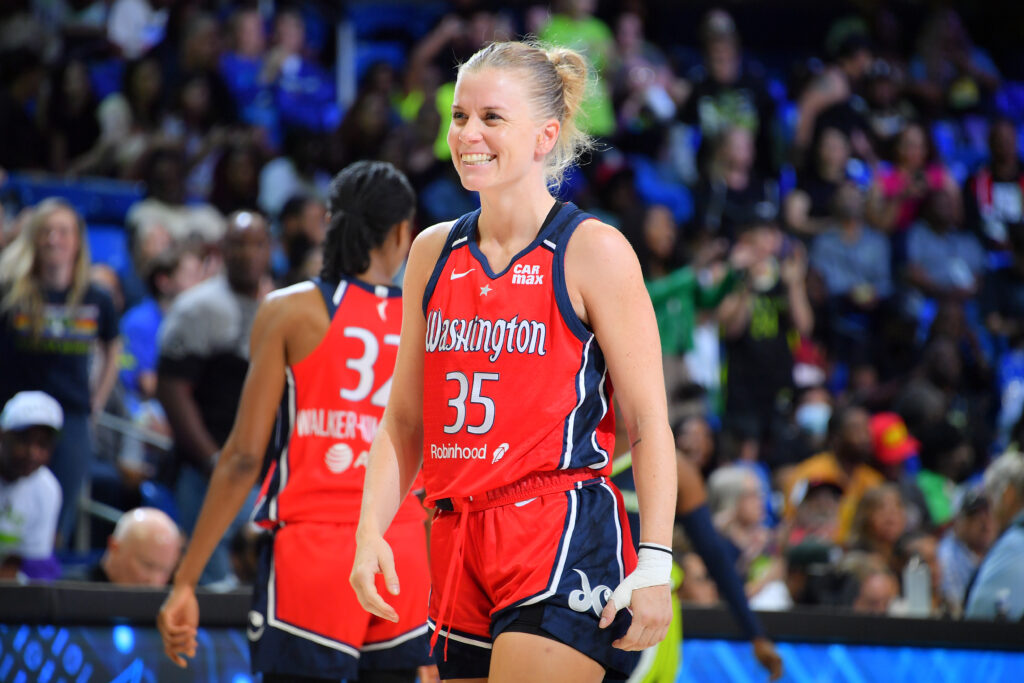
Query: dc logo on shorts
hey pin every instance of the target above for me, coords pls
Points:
(584, 598)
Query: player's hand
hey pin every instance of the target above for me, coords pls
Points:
(766, 654)
(428, 674)
(374, 557)
(652, 614)
(178, 622)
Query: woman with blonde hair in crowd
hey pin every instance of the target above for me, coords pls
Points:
(880, 521)
(52, 319)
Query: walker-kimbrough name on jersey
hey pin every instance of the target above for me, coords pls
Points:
(336, 424)
(510, 335)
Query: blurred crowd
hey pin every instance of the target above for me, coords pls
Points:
(833, 244)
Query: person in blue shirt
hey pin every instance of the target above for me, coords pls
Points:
(998, 588)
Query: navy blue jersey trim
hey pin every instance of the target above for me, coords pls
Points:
(552, 221)
(390, 291)
(458, 230)
(561, 241)
(327, 290)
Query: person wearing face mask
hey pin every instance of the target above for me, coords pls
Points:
(812, 416)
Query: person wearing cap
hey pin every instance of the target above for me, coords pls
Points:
(896, 457)
(964, 544)
(30, 496)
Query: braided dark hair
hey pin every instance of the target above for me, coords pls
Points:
(367, 199)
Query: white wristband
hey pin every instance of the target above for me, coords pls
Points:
(653, 568)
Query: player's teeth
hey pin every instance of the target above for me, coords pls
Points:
(476, 158)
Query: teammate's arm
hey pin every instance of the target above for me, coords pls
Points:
(603, 276)
(397, 450)
(236, 472)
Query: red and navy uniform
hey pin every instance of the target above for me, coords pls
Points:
(306, 619)
(518, 433)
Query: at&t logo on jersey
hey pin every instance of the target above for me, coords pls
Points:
(339, 458)
(510, 335)
(523, 274)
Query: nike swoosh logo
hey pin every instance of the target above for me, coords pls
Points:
(456, 276)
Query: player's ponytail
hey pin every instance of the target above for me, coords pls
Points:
(367, 200)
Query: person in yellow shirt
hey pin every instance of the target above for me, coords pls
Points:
(845, 464)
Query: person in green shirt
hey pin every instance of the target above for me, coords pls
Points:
(946, 459)
(574, 25)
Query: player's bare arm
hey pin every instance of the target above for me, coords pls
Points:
(606, 287)
(397, 451)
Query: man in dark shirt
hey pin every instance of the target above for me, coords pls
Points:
(21, 78)
(143, 550)
(204, 342)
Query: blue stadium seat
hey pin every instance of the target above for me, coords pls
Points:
(108, 244)
(99, 200)
(379, 19)
(653, 189)
(156, 495)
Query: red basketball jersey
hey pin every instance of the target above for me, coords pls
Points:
(333, 404)
(514, 383)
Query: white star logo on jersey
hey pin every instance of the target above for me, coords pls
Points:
(485, 290)
(382, 309)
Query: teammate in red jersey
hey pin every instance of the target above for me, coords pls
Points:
(517, 319)
(328, 346)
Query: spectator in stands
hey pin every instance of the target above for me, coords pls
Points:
(298, 171)
(832, 100)
(736, 500)
(143, 550)
(948, 72)
(302, 224)
(729, 94)
(922, 545)
(897, 458)
(943, 262)
(22, 74)
(757, 319)
(574, 25)
(879, 522)
(129, 120)
(70, 111)
(995, 193)
(963, 545)
(241, 65)
(732, 189)
(996, 591)
(808, 209)
(853, 260)
(198, 63)
(30, 496)
(204, 342)
(367, 124)
(877, 590)
(888, 109)
(168, 274)
(166, 202)
(695, 441)
(898, 192)
(845, 466)
(644, 89)
(813, 410)
(1002, 295)
(236, 176)
(303, 91)
(135, 26)
(51, 321)
(946, 460)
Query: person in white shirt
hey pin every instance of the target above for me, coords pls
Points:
(30, 496)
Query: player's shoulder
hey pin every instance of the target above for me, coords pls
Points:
(428, 245)
(594, 238)
(293, 303)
